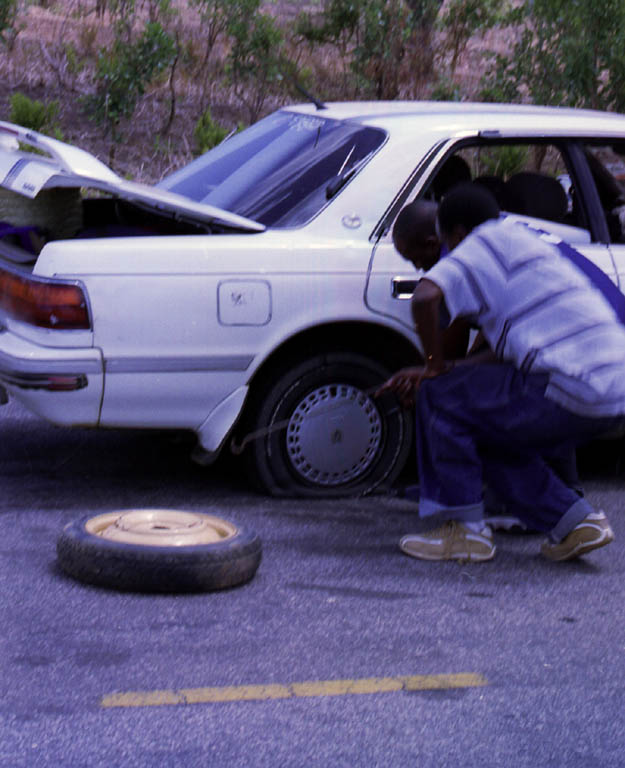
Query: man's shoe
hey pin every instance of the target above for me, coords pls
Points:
(593, 532)
(452, 541)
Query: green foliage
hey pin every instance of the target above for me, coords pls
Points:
(216, 16)
(124, 72)
(34, 114)
(496, 84)
(161, 9)
(75, 60)
(207, 133)
(379, 54)
(445, 89)
(422, 23)
(337, 23)
(257, 59)
(501, 161)
(118, 9)
(460, 20)
(8, 14)
(567, 53)
(376, 39)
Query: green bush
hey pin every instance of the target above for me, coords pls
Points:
(502, 161)
(257, 60)
(208, 133)
(34, 114)
(377, 41)
(461, 20)
(124, 72)
(8, 13)
(446, 89)
(563, 53)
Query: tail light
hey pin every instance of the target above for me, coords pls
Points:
(58, 304)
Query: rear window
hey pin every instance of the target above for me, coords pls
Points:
(281, 171)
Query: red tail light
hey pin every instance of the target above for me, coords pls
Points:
(45, 303)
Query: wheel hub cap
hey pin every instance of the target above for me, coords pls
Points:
(161, 527)
(334, 434)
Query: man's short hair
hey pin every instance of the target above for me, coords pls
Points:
(468, 206)
(415, 222)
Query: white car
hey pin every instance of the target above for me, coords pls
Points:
(255, 296)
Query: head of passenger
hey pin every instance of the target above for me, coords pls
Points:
(463, 209)
(414, 234)
(455, 170)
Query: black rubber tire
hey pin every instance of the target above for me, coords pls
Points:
(269, 464)
(95, 560)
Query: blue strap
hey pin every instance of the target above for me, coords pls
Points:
(598, 278)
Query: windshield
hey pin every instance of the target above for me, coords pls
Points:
(280, 171)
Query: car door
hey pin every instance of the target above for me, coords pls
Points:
(606, 165)
(390, 278)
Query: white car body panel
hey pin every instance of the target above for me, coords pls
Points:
(149, 342)
(28, 359)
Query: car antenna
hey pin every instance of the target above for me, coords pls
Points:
(309, 96)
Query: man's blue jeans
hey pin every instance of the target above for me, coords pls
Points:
(491, 424)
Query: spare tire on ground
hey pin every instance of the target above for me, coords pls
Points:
(158, 550)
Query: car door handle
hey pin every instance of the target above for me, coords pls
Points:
(403, 288)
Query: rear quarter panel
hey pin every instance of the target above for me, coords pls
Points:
(183, 322)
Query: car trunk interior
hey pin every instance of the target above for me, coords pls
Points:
(26, 224)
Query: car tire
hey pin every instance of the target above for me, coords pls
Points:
(323, 434)
(158, 551)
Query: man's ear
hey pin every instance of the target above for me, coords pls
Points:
(458, 233)
(433, 249)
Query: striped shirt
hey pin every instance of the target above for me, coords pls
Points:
(540, 312)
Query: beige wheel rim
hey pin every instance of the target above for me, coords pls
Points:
(161, 528)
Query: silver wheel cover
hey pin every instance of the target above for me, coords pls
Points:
(334, 435)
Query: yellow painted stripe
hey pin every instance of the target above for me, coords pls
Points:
(309, 689)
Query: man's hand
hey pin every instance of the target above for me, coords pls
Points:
(405, 383)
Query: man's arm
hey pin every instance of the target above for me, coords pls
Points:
(456, 339)
(425, 311)
(426, 302)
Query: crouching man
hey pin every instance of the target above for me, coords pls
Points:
(557, 377)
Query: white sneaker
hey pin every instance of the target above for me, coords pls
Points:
(452, 541)
(593, 532)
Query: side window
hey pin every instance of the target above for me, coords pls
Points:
(607, 165)
(528, 180)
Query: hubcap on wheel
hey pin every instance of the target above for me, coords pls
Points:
(334, 434)
(161, 527)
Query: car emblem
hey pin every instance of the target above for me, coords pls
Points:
(351, 221)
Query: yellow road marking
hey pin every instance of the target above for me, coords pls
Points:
(314, 688)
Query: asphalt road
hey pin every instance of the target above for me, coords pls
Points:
(531, 653)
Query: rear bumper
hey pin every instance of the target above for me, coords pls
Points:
(63, 385)
(50, 381)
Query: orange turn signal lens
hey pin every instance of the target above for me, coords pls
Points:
(45, 303)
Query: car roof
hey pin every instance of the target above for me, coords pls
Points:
(506, 118)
